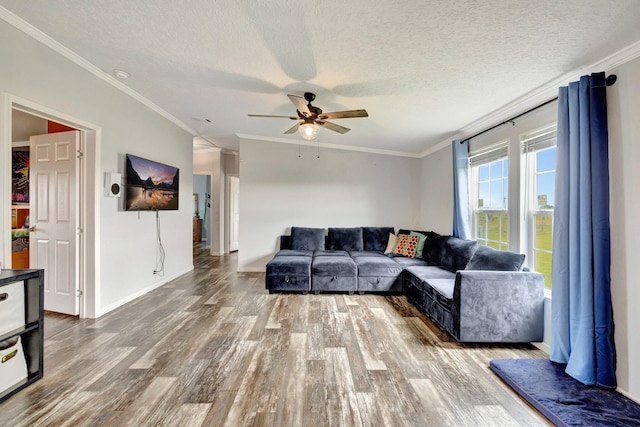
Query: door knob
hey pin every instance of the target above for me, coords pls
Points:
(32, 228)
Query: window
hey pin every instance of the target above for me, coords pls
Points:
(490, 196)
(539, 149)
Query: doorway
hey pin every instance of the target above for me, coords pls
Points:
(202, 208)
(234, 212)
(26, 119)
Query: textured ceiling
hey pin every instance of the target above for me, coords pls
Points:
(423, 69)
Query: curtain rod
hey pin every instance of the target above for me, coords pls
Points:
(611, 79)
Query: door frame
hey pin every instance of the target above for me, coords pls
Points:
(88, 203)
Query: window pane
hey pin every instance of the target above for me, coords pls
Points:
(543, 265)
(483, 172)
(483, 195)
(493, 231)
(496, 169)
(481, 230)
(543, 232)
(546, 189)
(497, 198)
(504, 228)
(546, 160)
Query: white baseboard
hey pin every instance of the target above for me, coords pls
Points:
(629, 395)
(129, 298)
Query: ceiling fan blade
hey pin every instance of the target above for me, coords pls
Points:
(343, 114)
(266, 115)
(332, 126)
(301, 105)
(295, 128)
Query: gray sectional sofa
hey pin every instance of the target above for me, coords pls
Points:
(475, 293)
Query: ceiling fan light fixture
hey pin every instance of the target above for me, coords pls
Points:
(308, 131)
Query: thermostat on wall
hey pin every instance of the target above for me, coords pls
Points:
(112, 184)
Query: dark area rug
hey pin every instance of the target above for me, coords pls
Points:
(562, 399)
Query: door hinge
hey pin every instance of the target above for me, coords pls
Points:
(79, 154)
(79, 230)
(79, 293)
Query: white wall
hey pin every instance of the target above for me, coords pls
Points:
(125, 241)
(624, 135)
(436, 198)
(340, 189)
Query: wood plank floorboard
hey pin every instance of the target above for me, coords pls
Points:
(214, 348)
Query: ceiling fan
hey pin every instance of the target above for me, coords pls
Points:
(311, 116)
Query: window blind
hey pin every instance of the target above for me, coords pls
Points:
(540, 140)
(490, 154)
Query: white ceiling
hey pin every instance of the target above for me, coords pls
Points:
(423, 69)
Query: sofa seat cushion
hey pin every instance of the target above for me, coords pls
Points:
(333, 266)
(356, 254)
(405, 262)
(379, 266)
(343, 254)
(424, 273)
(289, 265)
(292, 252)
(440, 289)
(345, 239)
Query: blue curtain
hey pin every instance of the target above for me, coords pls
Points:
(582, 314)
(461, 189)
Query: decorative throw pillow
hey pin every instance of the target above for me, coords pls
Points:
(392, 244)
(421, 239)
(486, 258)
(406, 245)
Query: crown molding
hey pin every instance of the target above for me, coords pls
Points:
(316, 143)
(540, 95)
(56, 46)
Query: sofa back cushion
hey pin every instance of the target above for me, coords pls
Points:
(345, 239)
(486, 258)
(375, 239)
(449, 252)
(307, 239)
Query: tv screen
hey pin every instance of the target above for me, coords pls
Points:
(151, 186)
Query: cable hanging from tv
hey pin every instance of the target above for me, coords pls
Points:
(160, 253)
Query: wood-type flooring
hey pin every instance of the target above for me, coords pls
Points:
(214, 348)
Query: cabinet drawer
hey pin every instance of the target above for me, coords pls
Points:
(11, 307)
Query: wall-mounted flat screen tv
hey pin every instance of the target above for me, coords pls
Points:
(151, 186)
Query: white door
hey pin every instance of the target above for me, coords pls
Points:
(53, 213)
(234, 212)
